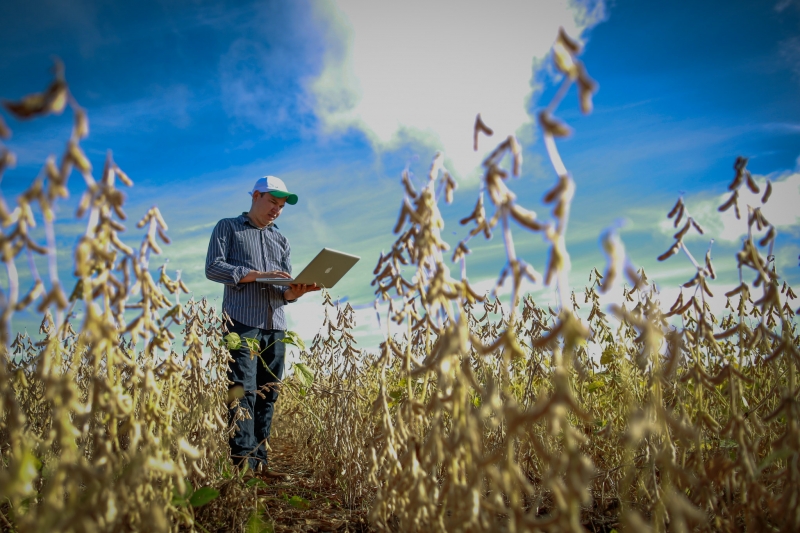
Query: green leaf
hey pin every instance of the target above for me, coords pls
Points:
(180, 500)
(599, 384)
(299, 503)
(304, 374)
(224, 466)
(256, 524)
(294, 339)
(232, 341)
(396, 394)
(203, 496)
(177, 498)
(27, 471)
(253, 345)
(255, 482)
(608, 356)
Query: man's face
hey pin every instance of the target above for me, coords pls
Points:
(267, 207)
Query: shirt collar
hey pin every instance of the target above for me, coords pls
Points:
(246, 220)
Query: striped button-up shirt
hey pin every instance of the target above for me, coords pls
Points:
(237, 247)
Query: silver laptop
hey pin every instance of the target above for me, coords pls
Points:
(325, 270)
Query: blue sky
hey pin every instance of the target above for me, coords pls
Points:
(198, 99)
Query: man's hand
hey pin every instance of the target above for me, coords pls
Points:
(255, 274)
(296, 290)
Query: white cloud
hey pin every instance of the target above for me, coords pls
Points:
(782, 5)
(262, 74)
(781, 209)
(786, 258)
(249, 93)
(305, 317)
(789, 52)
(164, 103)
(423, 70)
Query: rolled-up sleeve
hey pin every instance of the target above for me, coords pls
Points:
(217, 267)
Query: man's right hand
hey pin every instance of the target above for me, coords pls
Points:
(255, 274)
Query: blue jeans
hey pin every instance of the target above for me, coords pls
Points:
(253, 375)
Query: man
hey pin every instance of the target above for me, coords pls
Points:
(241, 250)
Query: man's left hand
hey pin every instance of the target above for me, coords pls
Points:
(296, 290)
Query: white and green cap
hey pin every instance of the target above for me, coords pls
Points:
(276, 187)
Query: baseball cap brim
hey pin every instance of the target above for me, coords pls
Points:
(291, 198)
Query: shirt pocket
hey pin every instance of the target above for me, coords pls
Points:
(275, 257)
(244, 250)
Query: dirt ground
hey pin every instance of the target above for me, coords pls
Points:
(296, 504)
